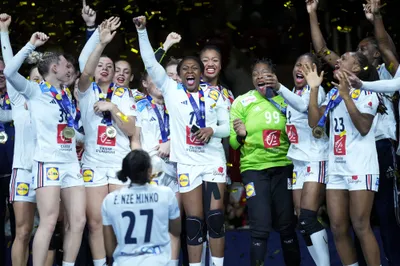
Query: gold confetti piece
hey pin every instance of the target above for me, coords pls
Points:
(288, 4)
(52, 34)
(301, 34)
(366, 68)
(33, 4)
(229, 164)
(69, 22)
(123, 56)
(383, 5)
(343, 133)
(133, 50)
(187, 9)
(39, 16)
(335, 19)
(390, 67)
(329, 84)
(252, 48)
(344, 10)
(290, 36)
(127, 7)
(23, 3)
(123, 117)
(198, 4)
(129, 11)
(206, 3)
(230, 25)
(155, 12)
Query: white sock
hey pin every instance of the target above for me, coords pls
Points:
(218, 261)
(354, 264)
(320, 247)
(173, 263)
(68, 263)
(100, 262)
(313, 253)
(195, 264)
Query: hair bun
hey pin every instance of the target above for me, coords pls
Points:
(34, 58)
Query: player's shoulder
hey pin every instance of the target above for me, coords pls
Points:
(245, 99)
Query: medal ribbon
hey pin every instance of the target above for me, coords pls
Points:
(163, 123)
(106, 115)
(333, 102)
(6, 106)
(200, 113)
(281, 108)
(63, 101)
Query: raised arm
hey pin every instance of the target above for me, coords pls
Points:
(385, 43)
(21, 84)
(172, 38)
(89, 16)
(316, 35)
(106, 36)
(294, 100)
(379, 86)
(155, 70)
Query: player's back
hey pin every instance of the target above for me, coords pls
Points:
(140, 218)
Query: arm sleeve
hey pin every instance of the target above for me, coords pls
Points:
(160, 54)
(236, 112)
(89, 34)
(5, 116)
(21, 84)
(155, 70)
(173, 208)
(104, 214)
(221, 130)
(88, 49)
(382, 85)
(294, 100)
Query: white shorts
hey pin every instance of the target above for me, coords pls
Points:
(304, 171)
(101, 176)
(64, 175)
(352, 183)
(192, 176)
(21, 186)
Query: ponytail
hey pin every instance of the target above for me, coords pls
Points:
(136, 166)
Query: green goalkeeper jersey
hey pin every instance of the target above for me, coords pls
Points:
(266, 144)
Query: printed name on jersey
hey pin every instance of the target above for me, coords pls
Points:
(184, 180)
(291, 132)
(248, 100)
(102, 138)
(88, 175)
(119, 91)
(339, 147)
(271, 138)
(52, 174)
(250, 190)
(22, 189)
(213, 94)
(60, 136)
(191, 139)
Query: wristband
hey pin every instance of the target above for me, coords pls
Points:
(241, 139)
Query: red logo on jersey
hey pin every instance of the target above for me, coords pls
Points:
(291, 132)
(339, 147)
(191, 139)
(271, 138)
(102, 138)
(308, 169)
(354, 177)
(60, 137)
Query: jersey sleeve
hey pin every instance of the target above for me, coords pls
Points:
(367, 103)
(382, 85)
(88, 49)
(236, 112)
(173, 207)
(104, 214)
(297, 102)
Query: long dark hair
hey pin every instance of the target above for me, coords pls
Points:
(136, 166)
(368, 72)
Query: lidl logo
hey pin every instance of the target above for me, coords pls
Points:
(88, 175)
(52, 173)
(250, 190)
(184, 180)
(22, 189)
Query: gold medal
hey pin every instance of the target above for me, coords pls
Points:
(3, 137)
(111, 132)
(318, 132)
(68, 132)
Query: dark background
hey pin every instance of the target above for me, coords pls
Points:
(244, 29)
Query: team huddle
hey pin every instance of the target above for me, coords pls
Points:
(139, 166)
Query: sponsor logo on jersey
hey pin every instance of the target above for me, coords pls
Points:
(291, 132)
(250, 190)
(152, 119)
(119, 91)
(60, 136)
(184, 102)
(369, 105)
(219, 171)
(377, 182)
(22, 189)
(52, 173)
(53, 101)
(355, 94)
(354, 179)
(102, 138)
(213, 94)
(184, 180)
(339, 145)
(88, 175)
(248, 100)
(271, 138)
(191, 139)
(294, 177)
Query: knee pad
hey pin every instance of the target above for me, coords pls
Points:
(216, 223)
(308, 221)
(194, 230)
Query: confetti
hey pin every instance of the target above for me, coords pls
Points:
(230, 25)
(123, 117)
(133, 50)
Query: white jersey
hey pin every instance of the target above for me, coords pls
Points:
(140, 218)
(185, 148)
(24, 142)
(386, 124)
(350, 153)
(303, 145)
(99, 149)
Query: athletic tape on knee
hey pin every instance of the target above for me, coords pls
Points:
(309, 222)
(216, 223)
(194, 231)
